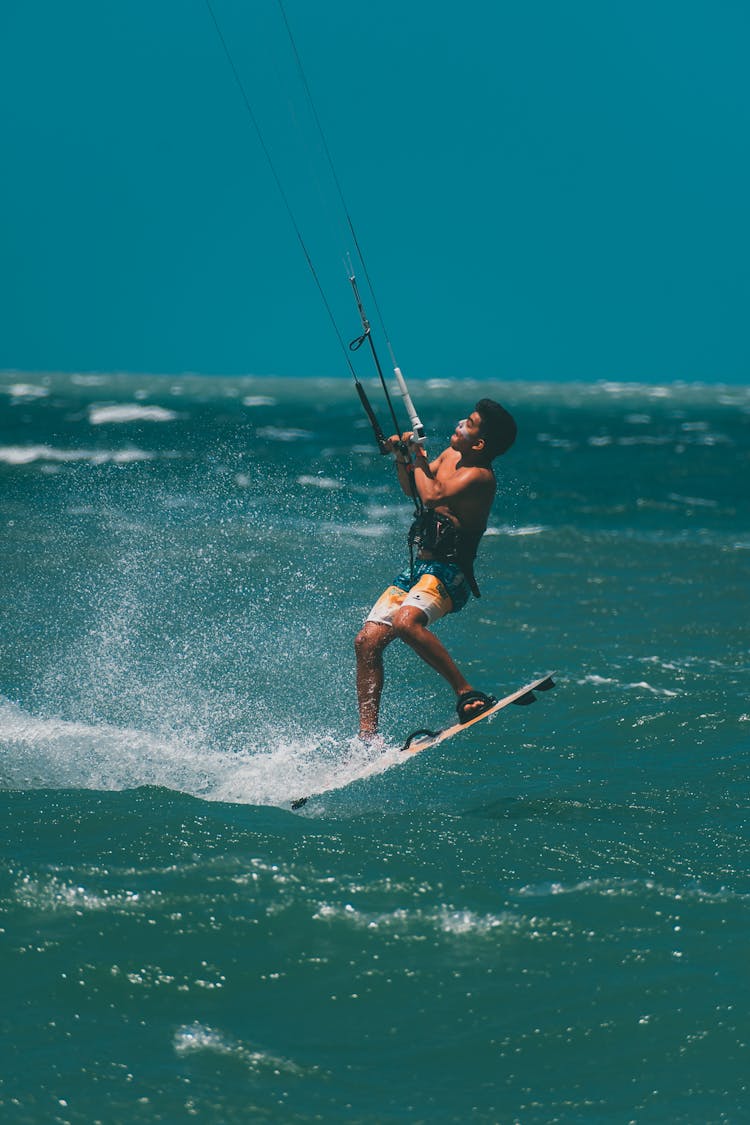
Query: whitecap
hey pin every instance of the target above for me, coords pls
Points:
(556, 442)
(692, 501)
(130, 412)
(367, 530)
(460, 922)
(506, 529)
(628, 888)
(28, 454)
(649, 391)
(198, 1037)
(195, 1037)
(447, 919)
(646, 439)
(643, 686)
(320, 482)
(89, 380)
(275, 433)
(259, 400)
(51, 893)
(26, 390)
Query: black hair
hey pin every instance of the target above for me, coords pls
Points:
(498, 427)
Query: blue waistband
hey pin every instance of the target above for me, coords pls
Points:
(450, 575)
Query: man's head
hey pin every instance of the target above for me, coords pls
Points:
(489, 430)
(498, 427)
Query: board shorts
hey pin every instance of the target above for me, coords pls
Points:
(437, 588)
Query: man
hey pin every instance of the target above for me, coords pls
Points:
(455, 494)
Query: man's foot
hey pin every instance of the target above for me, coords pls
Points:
(369, 744)
(473, 703)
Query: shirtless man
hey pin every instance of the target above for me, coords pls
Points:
(456, 492)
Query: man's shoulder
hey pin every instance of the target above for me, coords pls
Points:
(481, 475)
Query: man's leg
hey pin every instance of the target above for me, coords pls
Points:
(410, 625)
(369, 645)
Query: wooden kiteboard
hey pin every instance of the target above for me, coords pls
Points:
(423, 739)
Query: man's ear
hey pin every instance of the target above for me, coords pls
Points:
(478, 445)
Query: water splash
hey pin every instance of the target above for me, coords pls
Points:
(273, 768)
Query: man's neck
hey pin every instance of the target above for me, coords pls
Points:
(473, 461)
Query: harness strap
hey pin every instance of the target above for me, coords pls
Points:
(436, 533)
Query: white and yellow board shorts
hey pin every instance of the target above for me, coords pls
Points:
(437, 588)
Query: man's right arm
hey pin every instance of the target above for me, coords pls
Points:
(403, 462)
(405, 471)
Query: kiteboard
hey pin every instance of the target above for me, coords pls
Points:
(420, 740)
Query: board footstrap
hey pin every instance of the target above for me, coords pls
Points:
(423, 732)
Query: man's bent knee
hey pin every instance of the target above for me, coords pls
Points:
(408, 618)
(372, 639)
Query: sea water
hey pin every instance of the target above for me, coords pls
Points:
(543, 920)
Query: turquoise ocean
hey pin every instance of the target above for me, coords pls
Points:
(543, 920)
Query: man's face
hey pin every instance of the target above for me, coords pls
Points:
(467, 433)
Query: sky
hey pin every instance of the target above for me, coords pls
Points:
(549, 190)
